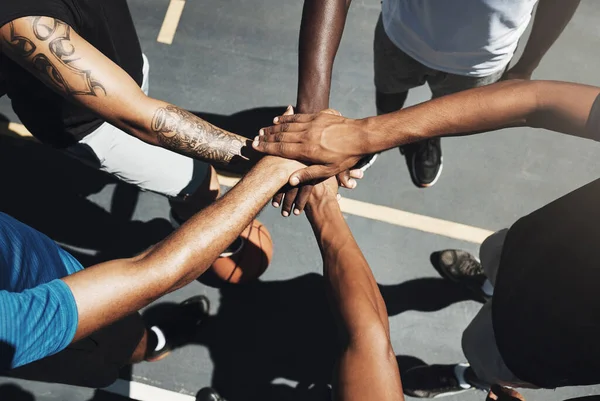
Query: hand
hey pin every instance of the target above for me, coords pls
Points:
(499, 393)
(297, 198)
(517, 72)
(329, 141)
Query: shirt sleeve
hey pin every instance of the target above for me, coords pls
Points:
(593, 122)
(36, 323)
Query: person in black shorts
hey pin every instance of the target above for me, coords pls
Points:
(62, 323)
(540, 328)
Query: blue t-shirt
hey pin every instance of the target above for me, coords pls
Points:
(38, 314)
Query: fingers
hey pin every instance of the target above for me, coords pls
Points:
(288, 202)
(332, 111)
(357, 173)
(294, 118)
(276, 202)
(345, 180)
(310, 174)
(294, 151)
(302, 198)
(285, 130)
(289, 111)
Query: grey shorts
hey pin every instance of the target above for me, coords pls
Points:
(149, 167)
(397, 72)
(478, 340)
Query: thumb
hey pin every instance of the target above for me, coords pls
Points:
(309, 174)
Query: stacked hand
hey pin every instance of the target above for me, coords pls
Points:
(330, 143)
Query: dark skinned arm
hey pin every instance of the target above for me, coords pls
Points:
(320, 35)
(367, 368)
(551, 18)
(333, 143)
(55, 54)
(110, 291)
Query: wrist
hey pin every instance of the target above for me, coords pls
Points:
(278, 167)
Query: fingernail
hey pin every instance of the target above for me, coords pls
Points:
(294, 181)
(255, 144)
(275, 204)
(261, 132)
(276, 120)
(361, 174)
(285, 214)
(296, 212)
(352, 184)
(338, 196)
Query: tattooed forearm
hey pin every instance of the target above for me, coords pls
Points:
(75, 80)
(183, 132)
(20, 45)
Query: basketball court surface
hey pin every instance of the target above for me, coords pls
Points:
(235, 62)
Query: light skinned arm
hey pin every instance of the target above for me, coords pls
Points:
(551, 18)
(367, 368)
(321, 31)
(109, 291)
(332, 142)
(54, 53)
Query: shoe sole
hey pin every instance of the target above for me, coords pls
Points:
(413, 176)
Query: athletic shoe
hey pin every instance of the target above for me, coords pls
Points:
(424, 160)
(435, 381)
(463, 268)
(208, 394)
(179, 327)
(366, 162)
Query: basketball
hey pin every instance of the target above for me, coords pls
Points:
(250, 256)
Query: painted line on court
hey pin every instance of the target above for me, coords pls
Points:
(171, 21)
(145, 392)
(372, 211)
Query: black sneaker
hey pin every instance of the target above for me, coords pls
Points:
(179, 327)
(424, 160)
(208, 394)
(434, 381)
(463, 268)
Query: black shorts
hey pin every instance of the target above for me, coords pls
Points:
(94, 361)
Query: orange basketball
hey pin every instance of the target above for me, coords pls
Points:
(249, 259)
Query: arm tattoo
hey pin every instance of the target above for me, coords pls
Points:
(183, 132)
(57, 34)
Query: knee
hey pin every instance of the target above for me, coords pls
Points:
(389, 102)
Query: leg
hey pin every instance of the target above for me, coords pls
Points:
(94, 361)
(486, 364)
(424, 158)
(189, 184)
(395, 74)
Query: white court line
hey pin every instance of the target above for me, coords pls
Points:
(171, 21)
(145, 392)
(372, 211)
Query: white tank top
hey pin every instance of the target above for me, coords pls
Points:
(465, 37)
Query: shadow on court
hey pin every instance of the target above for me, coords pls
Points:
(269, 340)
(277, 340)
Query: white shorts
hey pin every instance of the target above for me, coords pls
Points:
(149, 167)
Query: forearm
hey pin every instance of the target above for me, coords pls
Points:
(353, 291)
(557, 106)
(110, 291)
(180, 131)
(320, 34)
(551, 18)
